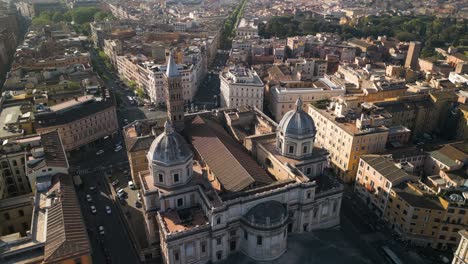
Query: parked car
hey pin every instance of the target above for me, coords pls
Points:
(108, 210)
(138, 204)
(152, 109)
(131, 185)
(139, 197)
(101, 230)
(115, 183)
(93, 209)
(88, 198)
(101, 151)
(118, 148)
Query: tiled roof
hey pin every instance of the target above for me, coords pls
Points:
(231, 165)
(453, 153)
(386, 167)
(67, 114)
(139, 143)
(66, 233)
(54, 154)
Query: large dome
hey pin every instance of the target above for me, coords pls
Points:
(297, 123)
(169, 148)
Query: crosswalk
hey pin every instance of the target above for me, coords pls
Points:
(85, 171)
(89, 170)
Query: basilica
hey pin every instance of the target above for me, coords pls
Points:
(232, 180)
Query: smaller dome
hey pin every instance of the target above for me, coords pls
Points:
(169, 148)
(274, 211)
(297, 123)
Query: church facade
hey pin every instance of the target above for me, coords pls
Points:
(207, 196)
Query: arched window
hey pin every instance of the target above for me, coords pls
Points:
(160, 177)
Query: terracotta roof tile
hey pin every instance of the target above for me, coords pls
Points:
(66, 233)
(230, 163)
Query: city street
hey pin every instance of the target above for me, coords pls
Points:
(94, 169)
(359, 222)
(115, 239)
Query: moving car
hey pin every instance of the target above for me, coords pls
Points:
(88, 198)
(93, 209)
(101, 230)
(93, 189)
(118, 148)
(101, 151)
(108, 210)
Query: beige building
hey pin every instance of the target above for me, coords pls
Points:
(113, 48)
(12, 161)
(138, 137)
(375, 178)
(150, 77)
(425, 218)
(461, 255)
(420, 113)
(348, 137)
(241, 86)
(80, 121)
(15, 215)
(56, 230)
(284, 95)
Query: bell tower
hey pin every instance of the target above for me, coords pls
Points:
(174, 95)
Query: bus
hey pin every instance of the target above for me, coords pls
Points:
(391, 256)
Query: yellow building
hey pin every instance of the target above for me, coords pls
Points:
(424, 218)
(138, 137)
(15, 215)
(346, 140)
(462, 128)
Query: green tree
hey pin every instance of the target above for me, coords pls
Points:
(83, 15)
(57, 17)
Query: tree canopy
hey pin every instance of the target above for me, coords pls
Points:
(80, 16)
(431, 30)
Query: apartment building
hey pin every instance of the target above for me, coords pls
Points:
(284, 95)
(241, 86)
(149, 76)
(12, 162)
(138, 137)
(426, 218)
(422, 214)
(307, 69)
(80, 121)
(461, 255)
(347, 136)
(57, 232)
(420, 113)
(376, 176)
(15, 214)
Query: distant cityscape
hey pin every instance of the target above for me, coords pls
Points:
(233, 131)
